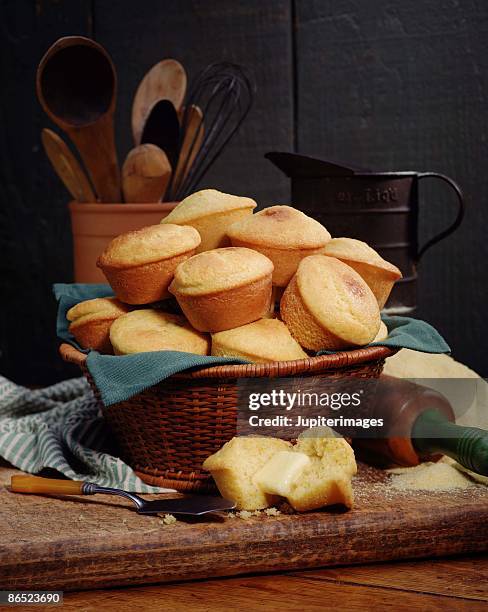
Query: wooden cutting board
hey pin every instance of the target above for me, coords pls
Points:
(86, 543)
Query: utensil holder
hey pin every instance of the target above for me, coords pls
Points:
(95, 225)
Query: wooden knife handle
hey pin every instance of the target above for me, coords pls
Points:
(35, 484)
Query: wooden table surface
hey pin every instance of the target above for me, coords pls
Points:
(455, 583)
(443, 584)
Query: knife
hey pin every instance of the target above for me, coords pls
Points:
(190, 505)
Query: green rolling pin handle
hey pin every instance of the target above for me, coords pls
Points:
(433, 433)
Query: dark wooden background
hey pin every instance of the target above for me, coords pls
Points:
(387, 84)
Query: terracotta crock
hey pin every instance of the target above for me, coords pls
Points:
(94, 226)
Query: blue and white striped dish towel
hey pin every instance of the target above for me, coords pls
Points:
(61, 427)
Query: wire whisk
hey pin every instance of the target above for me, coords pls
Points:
(216, 105)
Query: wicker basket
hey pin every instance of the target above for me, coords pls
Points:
(167, 431)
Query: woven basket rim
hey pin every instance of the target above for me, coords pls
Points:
(342, 359)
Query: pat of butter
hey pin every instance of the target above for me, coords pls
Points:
(277, 475)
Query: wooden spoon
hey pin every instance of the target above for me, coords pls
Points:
(76, 85)
(162, 129)
(193, 131)
(145, 174)
(67, 167)
(164, 81)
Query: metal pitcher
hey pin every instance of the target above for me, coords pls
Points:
(380, 208)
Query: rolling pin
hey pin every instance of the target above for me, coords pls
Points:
(420, 426)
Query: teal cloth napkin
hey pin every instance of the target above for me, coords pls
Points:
(119, 378)
(405, 332)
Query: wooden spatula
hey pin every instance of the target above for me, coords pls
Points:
(145, 174)
(166, 80)
(67, 167)
(191, 505)
(192, 129)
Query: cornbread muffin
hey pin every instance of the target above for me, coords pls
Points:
(326, 479)
(382, 333)
(327, 305)
(91, 321)
(379, 274)
(211, 212)
(140, 265)
(261, 341)
(152, 330)
(282, 233)
(223, 288)
(235, 464)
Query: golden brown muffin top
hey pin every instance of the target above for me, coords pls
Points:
(338, 298)
(152, 330)
(282, 227)
(218, 270)
(149, 244)
(262, 341)
(351, 249)
(95, 310)
(205, 203)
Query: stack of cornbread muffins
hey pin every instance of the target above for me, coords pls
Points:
(215, 278)
(265, 286)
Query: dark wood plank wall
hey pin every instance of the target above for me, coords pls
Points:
(35, 240)
(253, 33)
(387, 84)
(397, 85)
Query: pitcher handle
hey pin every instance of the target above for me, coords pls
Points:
(459, 216)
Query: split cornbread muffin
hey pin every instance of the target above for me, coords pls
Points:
(379, 274)
(282, 233)
(91, 321)
(211, 212)
(327, 305)
(223, 288)
(153, 330)
(140, 265)
(256, 472)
